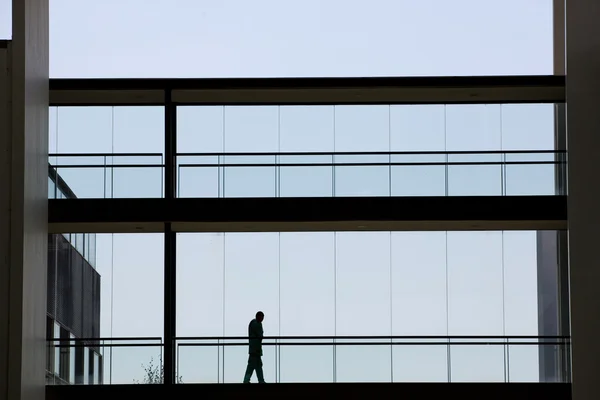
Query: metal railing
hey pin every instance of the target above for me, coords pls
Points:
(107, 175)
(318, 359)
(118, 360)
(314, 174)
(377, 358)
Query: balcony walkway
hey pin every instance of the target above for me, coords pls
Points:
(404, 391)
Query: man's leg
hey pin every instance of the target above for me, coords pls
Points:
(249, 370)
(259, 370)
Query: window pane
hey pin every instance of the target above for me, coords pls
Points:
(528, 126)
(94, 298)
(251, 285)
(139, 129)
(305, 181)
(307, 284)
(418, 128)
(475, 363)
(200, 266)
(84, 130)
(249, 181)
(307, 128)
(475, 280)
(473, 127)
(521, 302)
(419, 284)
(362, 128)
(200, 129)
(363, 283)
(251, 129)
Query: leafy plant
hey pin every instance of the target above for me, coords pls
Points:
(155, 373)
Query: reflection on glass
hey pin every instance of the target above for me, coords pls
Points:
(86, 366)
(72, 355)
(57, 349)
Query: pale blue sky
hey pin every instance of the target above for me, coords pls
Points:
(231, 38)
(457, 283)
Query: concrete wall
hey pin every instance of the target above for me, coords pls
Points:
(583, 144)
(4, 216)
(25, 151)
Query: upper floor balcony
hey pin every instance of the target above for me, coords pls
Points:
(265, 138)
(314, 174)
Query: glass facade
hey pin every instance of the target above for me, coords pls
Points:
(307, 151)
(346, 306)
(363, 284)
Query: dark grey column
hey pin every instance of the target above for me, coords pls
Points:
(23, 203)
(583, 143)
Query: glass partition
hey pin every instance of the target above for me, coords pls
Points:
(366, 359)
(369, 306)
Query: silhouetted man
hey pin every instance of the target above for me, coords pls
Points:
(255, 334)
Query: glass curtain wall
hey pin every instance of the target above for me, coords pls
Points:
(108, 152)
(278, 130)
(361, 284)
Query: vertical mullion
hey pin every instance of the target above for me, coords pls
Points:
(169, 242)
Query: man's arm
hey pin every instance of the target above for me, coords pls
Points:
(256, 330)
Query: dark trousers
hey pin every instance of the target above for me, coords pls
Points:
(254, 364)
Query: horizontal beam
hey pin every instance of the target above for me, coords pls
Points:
(407, 391)
(289, 91)
(309, 214)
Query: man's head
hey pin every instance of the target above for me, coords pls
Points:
(260, 316)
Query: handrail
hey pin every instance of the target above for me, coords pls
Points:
(105, 154)
(315, 337)
(369, 153)
(312, 153)
(106, 338)
(346, 337)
